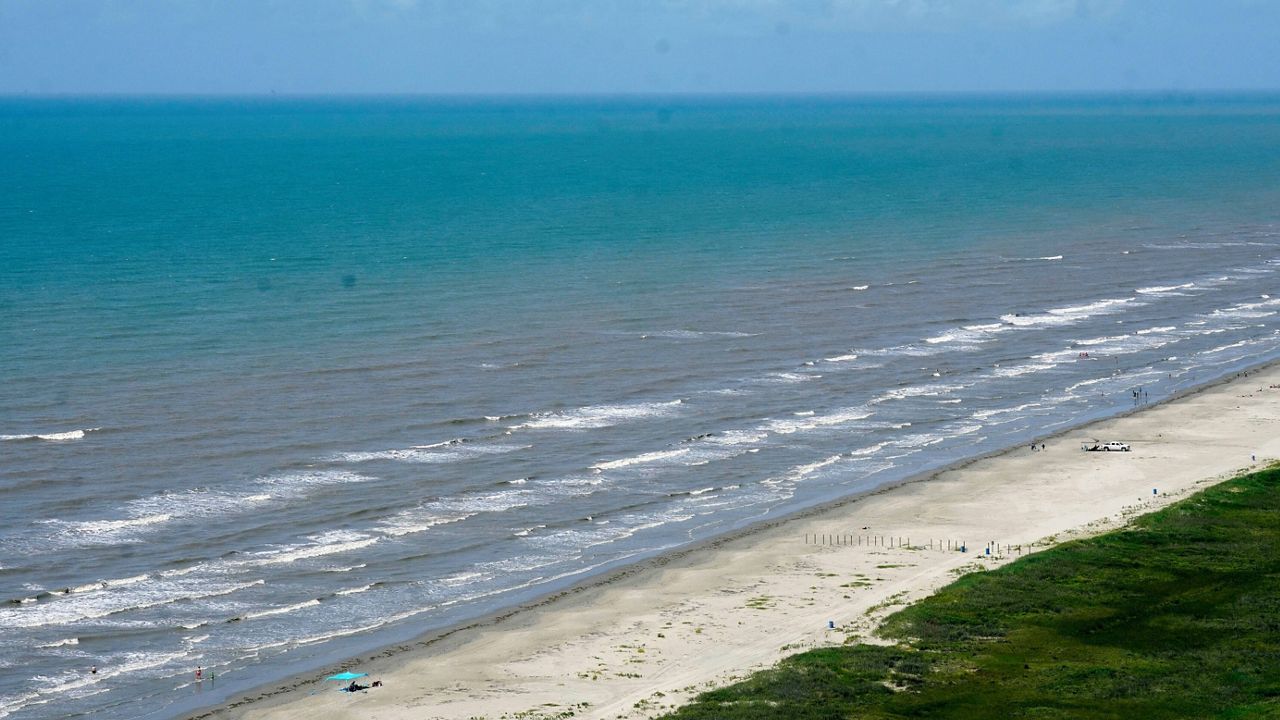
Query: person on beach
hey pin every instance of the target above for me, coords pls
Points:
(93, 669)
(199, 673)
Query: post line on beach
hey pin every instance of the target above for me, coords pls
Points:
(993, 547)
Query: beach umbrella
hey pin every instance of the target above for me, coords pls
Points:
(346, 676)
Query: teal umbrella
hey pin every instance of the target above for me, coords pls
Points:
(346, 676)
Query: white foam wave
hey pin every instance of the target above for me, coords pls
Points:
(62, 643)
(410, 522)
(1125, 344)
(1249, 311)
(599, 416)
(642, 459)
(488, 501)
(788, 426)
(967, 334)
(429, 453)
(985, 414)
(790, 377)
(1165, 289)
(695, 334)
(578, 539)
(1030, 368)
(296, 483)
(799, 473)
(869, 450)
(52, 437)
(101, 532)
(1222, 348)
(347, 568)
(908, 350)
(910, 391)
(148, 514)
(280, 610)
(1193, 245)
(919, 440)
(1031, 259)
(326, 543)
(76, 684)
(197, 503)
(848, 357)
(116, 582)
(694, 451)
(1068, 315)
(68, 609)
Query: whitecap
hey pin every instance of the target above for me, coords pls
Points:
(985, 414)
(1254, 310)
(411, 522)
(789, 377)
(1068, 315)
(912, 391)
(1165, 289)
(428, 454)
(94, 532)
(75, 607)
(52, 437)
(62, 643)
(279, 611)
(319, 545)
(696, 334)
(817, 422)
(642, 459)
(802, 472)
(598, 416)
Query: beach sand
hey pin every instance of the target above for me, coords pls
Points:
(648, 639)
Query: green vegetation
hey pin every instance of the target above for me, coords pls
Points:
(1175, 616)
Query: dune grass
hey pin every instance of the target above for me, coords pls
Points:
(1175, 616)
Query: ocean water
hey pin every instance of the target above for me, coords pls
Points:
(286, 380)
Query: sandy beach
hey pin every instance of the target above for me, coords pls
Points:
(647, 640)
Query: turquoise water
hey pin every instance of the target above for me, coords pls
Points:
(344, 371)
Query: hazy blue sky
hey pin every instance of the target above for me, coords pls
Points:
(573, 46)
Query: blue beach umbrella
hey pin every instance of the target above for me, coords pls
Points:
(346, 676)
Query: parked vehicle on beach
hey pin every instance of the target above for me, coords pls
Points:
(1095, 446)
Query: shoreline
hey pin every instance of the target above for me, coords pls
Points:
(473, 693)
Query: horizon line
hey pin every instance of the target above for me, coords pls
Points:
(592, 94)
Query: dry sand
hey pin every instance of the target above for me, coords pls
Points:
(645, 641)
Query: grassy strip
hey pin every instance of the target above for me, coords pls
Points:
(1175, 616)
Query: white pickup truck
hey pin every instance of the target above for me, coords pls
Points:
(1095, 446)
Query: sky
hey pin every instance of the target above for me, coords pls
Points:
(635, 46)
